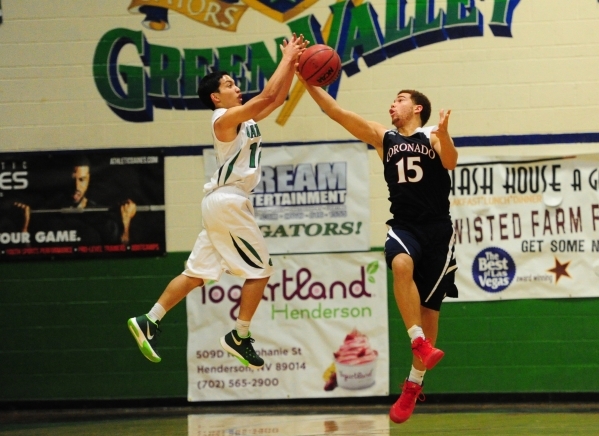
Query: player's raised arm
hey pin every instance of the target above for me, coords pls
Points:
(275, 91)
(283, 91)
(442, 142)
(369, 132)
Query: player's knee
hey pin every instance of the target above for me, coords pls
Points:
(402, 265)
(192, 282)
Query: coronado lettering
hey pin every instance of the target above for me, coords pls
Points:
(414, 148)
(168, 77)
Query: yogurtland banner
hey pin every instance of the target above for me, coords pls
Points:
(321, 330)
(311, 198)
(82, 205)
(526, 227)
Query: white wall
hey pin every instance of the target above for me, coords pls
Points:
(542, 80)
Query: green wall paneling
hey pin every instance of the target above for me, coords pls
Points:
(64, 337)
(64, 330)
(524, 346)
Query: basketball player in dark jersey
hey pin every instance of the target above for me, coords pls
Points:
(420, 241)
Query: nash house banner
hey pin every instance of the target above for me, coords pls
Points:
(321, 329)
(526, 227)
(312, 198)
(81, 205)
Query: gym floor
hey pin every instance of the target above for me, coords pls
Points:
(299, 419)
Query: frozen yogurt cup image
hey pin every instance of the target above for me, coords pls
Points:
(355, 364)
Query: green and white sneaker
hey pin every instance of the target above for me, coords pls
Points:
(145, 332)
(242, 349)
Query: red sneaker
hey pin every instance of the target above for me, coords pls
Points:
(404, 406)
(426, 353)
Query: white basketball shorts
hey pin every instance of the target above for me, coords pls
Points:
(231, 240)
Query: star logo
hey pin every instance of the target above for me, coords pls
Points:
(560, 269)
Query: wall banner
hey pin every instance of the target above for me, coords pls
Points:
(81, 205)
(321, 328)
(526, 227)
(311, 198)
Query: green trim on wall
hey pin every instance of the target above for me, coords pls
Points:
(513, 346)
(65, 337)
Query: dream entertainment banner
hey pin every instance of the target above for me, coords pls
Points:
(526, 227)
(81, 204)
(312, 198)
(321, 329)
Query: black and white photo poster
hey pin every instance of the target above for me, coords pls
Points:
(81, 205)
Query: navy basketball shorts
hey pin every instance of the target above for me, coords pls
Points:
(431, 247)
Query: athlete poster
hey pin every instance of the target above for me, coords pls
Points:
(321, 329)
(81, 205)
(526, 227)
(311, 198)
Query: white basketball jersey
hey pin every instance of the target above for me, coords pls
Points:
(238, 161)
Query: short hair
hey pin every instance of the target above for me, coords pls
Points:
(419, 98)
(209, 84)
(80, 161)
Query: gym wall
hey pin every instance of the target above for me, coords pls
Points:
(529, 83)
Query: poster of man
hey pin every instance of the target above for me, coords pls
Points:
(81, 204)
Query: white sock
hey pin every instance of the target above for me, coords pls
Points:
(242, 327)
(415, 332)
(416, 376)
(157, 313)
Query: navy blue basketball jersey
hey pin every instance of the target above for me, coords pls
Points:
(418, 183)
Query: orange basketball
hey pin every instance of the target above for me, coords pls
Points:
(319, 65)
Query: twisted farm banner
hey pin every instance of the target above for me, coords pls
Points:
(527, 228)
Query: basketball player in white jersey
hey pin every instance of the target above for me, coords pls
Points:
(420, 241)
(231, 241)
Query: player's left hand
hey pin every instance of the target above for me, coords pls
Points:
(441, 128)
(295, 47)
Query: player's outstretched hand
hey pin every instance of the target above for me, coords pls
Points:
(295, 47)
(444, 144)
(441, 129)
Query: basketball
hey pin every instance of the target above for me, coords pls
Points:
(319, 65)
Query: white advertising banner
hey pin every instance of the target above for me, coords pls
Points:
(311, 198)
(322, 329)
(526, 228)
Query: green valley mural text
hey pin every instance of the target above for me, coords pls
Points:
(167, 77)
